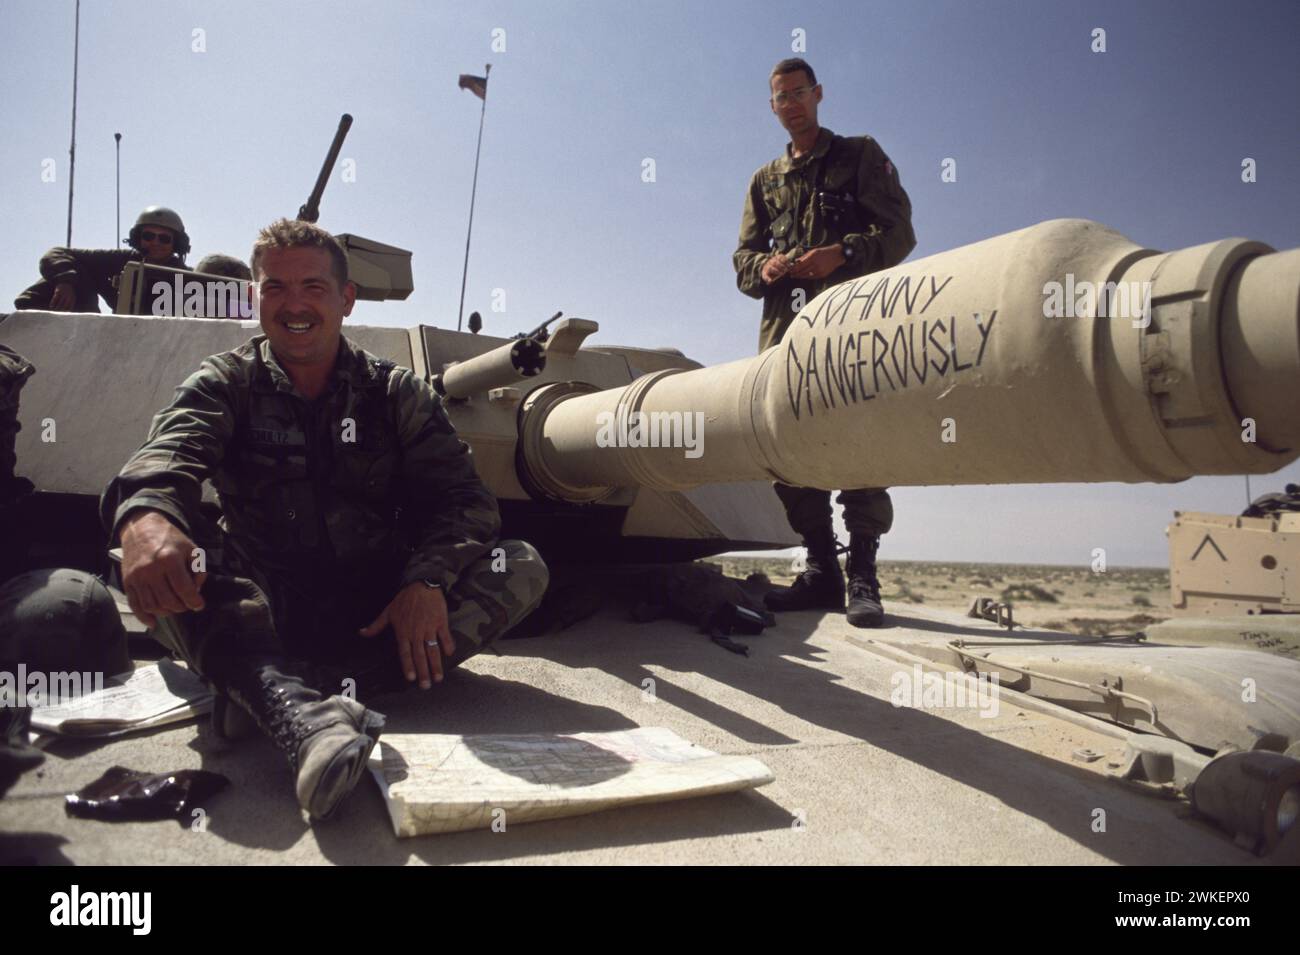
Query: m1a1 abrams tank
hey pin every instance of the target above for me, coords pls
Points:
(961, 364)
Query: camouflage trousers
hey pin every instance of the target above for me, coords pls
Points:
(866, 510)
(243, 617)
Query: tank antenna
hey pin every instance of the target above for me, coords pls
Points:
(72, 147)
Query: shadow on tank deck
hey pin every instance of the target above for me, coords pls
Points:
(878, 784)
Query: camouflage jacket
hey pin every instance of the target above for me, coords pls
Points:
(314, 493)
(782, 214)
(96, 269)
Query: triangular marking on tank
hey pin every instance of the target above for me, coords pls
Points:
(1208, 540)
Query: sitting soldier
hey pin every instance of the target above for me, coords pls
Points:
(357, 540)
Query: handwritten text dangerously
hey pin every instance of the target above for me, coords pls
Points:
(850, 364)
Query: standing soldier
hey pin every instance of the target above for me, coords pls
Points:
(72, 280)
(827, 211)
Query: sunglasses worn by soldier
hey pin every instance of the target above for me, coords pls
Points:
(147, 235)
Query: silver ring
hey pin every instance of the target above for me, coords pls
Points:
(430, 643)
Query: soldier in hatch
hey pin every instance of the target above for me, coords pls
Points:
(72, 280)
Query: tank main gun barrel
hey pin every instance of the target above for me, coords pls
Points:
(310, 210)
(1058, 353)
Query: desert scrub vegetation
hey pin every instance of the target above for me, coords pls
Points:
(1029, 592)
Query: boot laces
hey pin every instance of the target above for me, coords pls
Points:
(861, 571)
(864, 586)
(285, 720)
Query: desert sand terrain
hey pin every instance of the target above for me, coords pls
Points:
(1120, 601)
(1074, 599)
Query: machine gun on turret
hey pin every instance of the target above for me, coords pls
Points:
(380, 271)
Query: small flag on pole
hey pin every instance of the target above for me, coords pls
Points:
(475, 84)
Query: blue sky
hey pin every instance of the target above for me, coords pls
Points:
(1147, 138)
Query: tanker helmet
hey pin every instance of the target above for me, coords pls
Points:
(161, 215)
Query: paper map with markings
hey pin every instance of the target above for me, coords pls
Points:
(445, 783)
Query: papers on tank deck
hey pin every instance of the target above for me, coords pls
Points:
(436, 783)
(155, 695)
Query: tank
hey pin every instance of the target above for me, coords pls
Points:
(1059, 352)
(954, 361)
(1233, 565)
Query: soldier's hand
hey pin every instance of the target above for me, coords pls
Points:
(819, 262)
(418, 615)
(776, 268)
(64, 297)
(156, 574)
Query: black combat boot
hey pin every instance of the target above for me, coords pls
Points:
(327, 740)
(820, 586)
(233, 723)
(864, 587)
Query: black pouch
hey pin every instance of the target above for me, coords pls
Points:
(781, 227)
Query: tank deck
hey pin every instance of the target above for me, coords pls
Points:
(870, 782)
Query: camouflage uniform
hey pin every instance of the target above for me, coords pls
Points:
(14, 372)
(328, 507)
(782, 214)
(93, 274)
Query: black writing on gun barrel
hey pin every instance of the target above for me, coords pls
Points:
(853, 366)
(885, 294)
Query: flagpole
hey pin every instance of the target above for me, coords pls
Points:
(460, 313)
(72, 148)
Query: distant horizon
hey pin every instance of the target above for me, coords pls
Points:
(778, 555)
